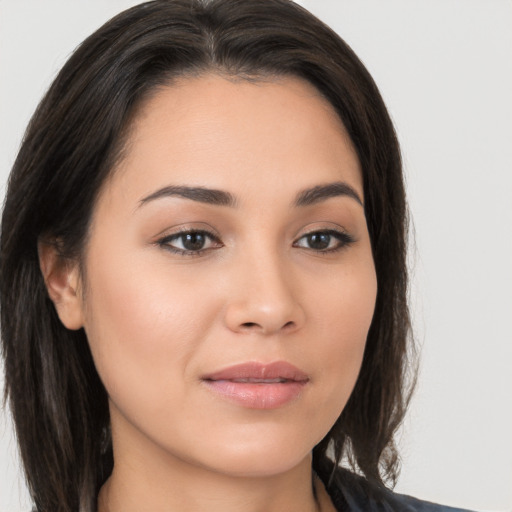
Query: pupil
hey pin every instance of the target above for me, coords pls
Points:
(193, 241)
(319, 240)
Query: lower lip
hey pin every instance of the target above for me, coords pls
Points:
(257, 395)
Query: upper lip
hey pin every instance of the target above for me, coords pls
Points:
(277, 371)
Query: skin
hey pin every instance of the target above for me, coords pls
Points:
(157, 320)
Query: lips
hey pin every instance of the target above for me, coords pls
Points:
(258, 386)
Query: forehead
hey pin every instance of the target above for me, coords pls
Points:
(227, 133)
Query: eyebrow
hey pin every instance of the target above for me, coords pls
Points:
(200, 194)
(216, 197)
(322, 192)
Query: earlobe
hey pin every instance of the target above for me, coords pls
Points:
(62, 279)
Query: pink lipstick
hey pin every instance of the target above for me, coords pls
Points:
(258, 385)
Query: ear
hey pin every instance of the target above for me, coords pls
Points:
(62, 279)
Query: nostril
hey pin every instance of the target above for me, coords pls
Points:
(251, 325)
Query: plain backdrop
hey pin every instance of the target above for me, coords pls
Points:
(444, 68)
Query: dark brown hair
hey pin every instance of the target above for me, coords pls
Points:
(73, 142)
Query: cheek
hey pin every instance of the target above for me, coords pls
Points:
(345, 308)
(143, 323)
(344, 318)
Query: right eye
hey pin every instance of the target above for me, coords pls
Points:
(190, 242)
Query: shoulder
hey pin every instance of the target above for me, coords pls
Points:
(352, 493)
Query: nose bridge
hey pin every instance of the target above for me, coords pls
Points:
(265, 298)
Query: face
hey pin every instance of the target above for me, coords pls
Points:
(230, 283)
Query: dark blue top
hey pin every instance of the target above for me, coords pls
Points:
(352, 493)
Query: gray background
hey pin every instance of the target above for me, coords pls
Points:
(444, 69)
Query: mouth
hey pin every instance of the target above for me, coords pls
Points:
(258, 386)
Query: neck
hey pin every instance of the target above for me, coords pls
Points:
(131, 489)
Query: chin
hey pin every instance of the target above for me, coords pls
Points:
(261, 465)
(260, 456)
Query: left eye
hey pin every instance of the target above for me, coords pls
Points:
(324, 241)
(188, 242)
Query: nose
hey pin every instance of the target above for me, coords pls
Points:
(264, 297)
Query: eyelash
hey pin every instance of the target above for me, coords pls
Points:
(343, 238)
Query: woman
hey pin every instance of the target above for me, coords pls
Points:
(205, 228)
